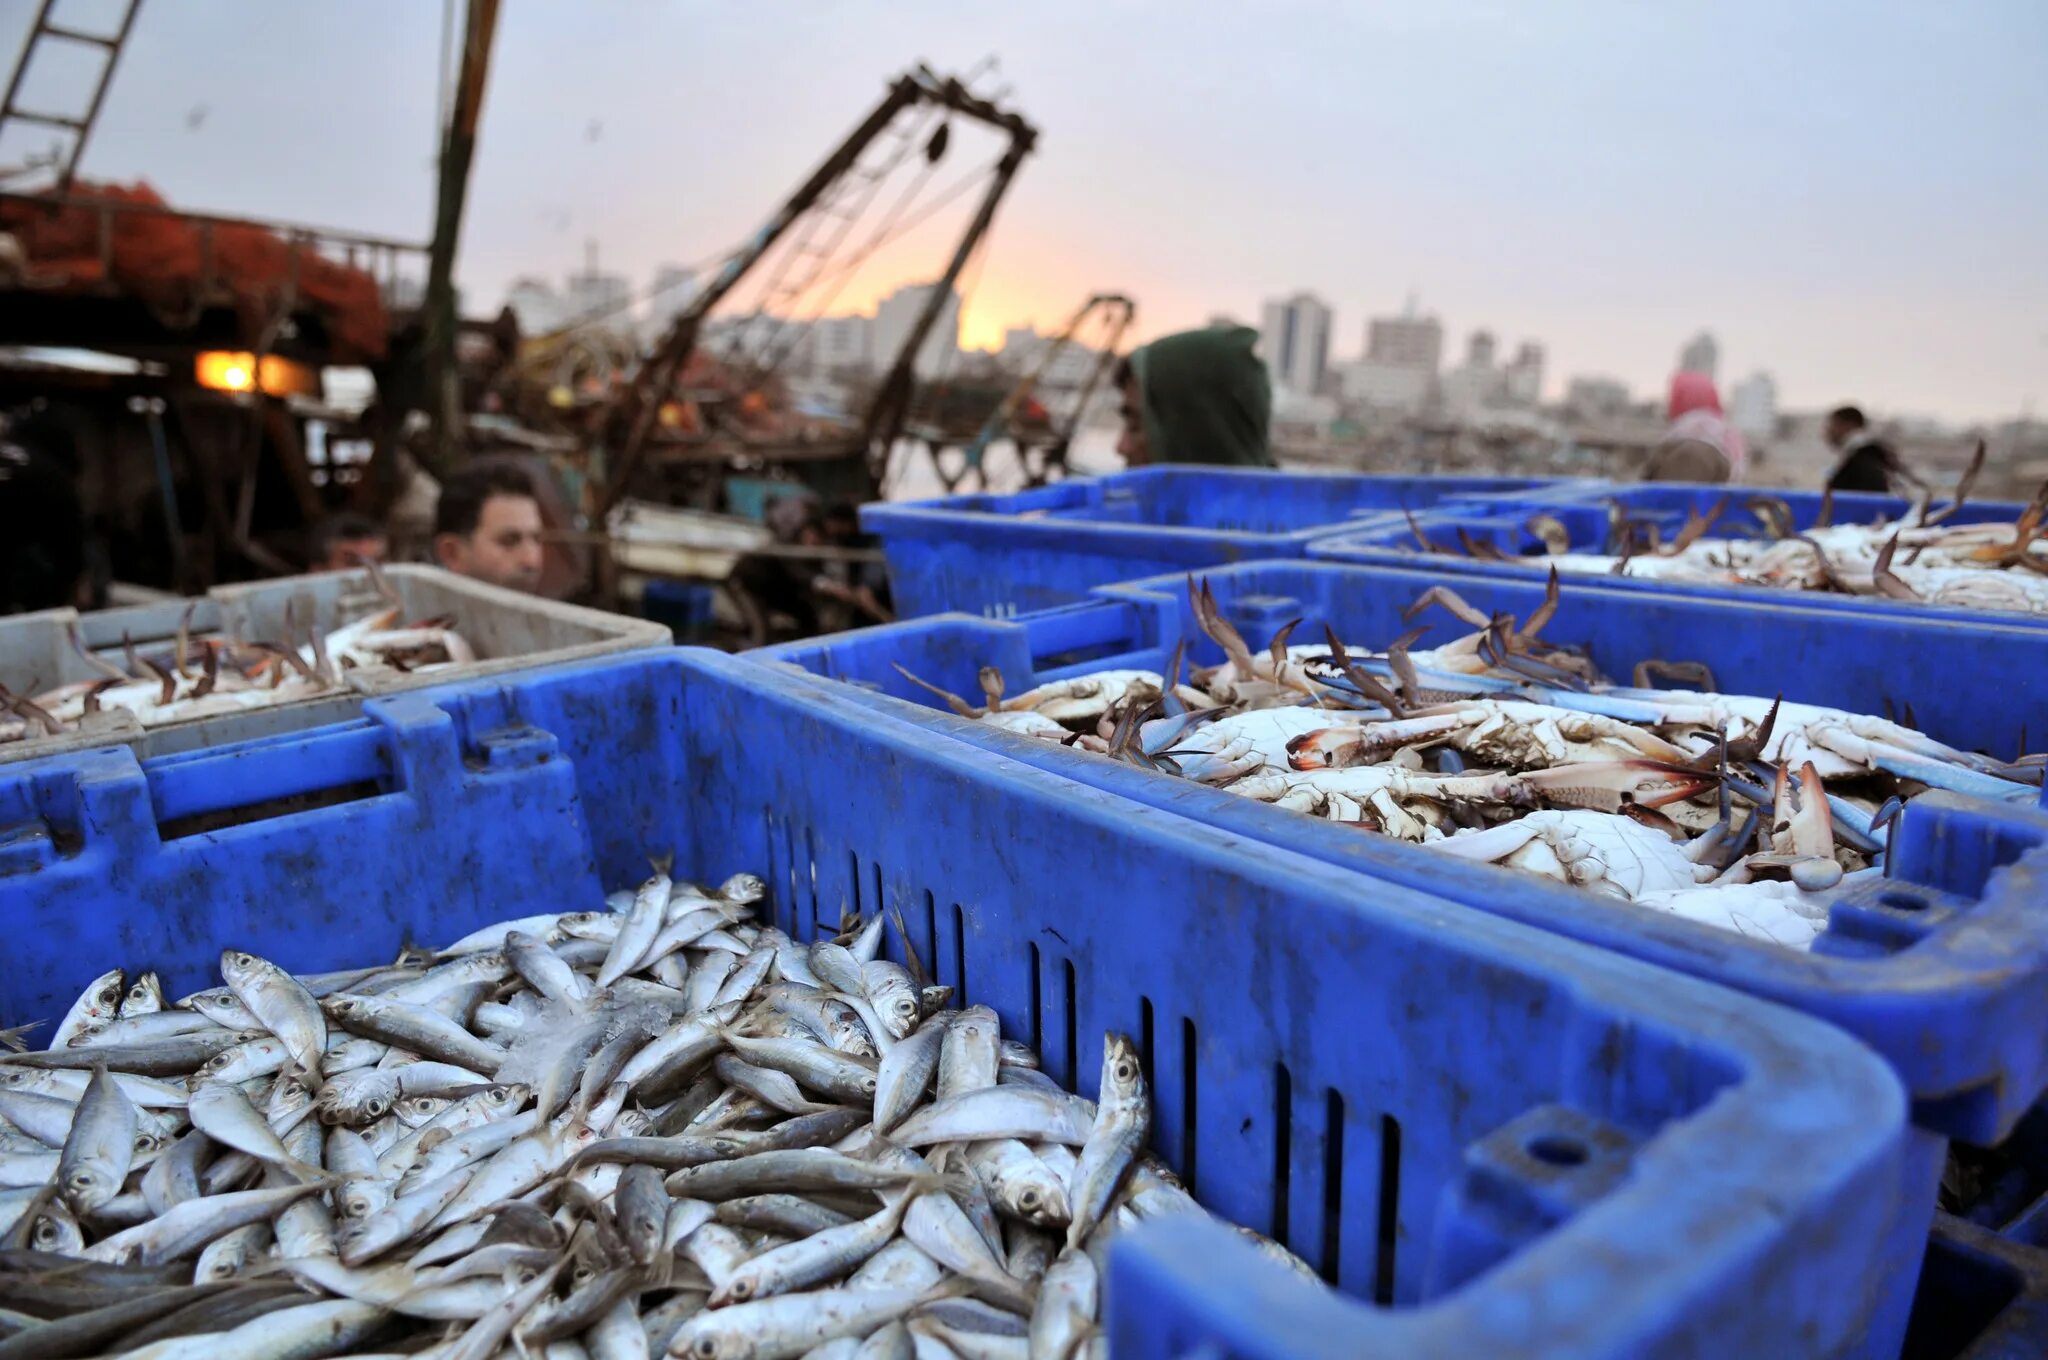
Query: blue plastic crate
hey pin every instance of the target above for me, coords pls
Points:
(1495, 1140)
(1943, 968)
(1982, 1296)
(1001, 555)
(1585, 511)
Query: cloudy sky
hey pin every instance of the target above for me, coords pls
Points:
(1850, 195)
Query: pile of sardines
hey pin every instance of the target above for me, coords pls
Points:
(1741, 811)
(660, 1128)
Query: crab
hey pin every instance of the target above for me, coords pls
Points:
(1838, 743)
(1410, 804)
(1511, 733)
(1606, 852)
(1024, 722)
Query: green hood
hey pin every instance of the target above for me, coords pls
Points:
(1206, 398)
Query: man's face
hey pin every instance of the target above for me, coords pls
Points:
(1131, 443)
(504, 550)
(1836, 432)
(346, 553)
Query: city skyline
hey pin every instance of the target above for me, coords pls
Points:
(1835, 181)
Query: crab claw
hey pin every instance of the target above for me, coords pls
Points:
(991, 680)
(1157, 735)
(1234, 760)
(1220, 629)
(953, 701)
(1888, 582)
(1333, 748)
(1802, 832)
(1611, 785)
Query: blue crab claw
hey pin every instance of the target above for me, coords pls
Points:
(1216, 767)
(1854, 828)
(1158, 734)
(1609, 703)
(1941, 774)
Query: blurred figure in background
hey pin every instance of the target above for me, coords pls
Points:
(343, 542)
(1701, 445)
(1196, 397)
(802, 596)
(487, 525)
(1866, 463)
(42, 521)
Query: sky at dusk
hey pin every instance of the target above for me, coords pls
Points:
(1850, 195)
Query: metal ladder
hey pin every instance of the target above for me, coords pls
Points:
(80, 127)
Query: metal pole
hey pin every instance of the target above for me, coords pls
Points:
(458, 147)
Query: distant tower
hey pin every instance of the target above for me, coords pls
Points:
(1753, 406)
(1294, 340)
(1700, 355)
(1525, 375)
(1479, 350)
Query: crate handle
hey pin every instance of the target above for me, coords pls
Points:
(1084, 628)
(274, 777)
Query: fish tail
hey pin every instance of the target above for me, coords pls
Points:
(954, 1183)
(11, 1038)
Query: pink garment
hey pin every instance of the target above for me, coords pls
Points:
(1695, 413)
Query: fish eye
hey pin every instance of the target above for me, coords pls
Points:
(705, 1348)
(1029, 1199)
(867, 1084)
(46, 1231)
(375, 1106)
(1123, 1070)
(740, 1289)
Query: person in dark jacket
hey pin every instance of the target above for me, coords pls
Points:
(1197, 397)
(1865, 462)
(42, 520)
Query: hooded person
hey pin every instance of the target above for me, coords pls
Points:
(1700, 445)
(1196, 397)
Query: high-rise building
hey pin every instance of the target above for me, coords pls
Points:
(842, 342)
(1387, 387)
(1405, 341)
(1477, 383)
(1700, 355)
(1523, 377)
(536, 305)
(1294, 340)
(1753, 405)
(1595, 397)
(1399, 370)
(1021, 347)
(597, 296)
(896, 316)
